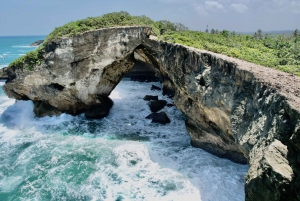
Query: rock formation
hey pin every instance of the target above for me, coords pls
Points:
(37, 43)
(233, 108)
(3, 73)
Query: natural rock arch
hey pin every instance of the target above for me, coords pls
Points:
(233, 109)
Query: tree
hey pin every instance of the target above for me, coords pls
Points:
(225, 33)
(258, 35)
(296, 33)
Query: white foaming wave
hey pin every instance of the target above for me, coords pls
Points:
(15, 54)
(217, 179)
(136, 177)
(120, 169)
(115, 95)
(23, 46)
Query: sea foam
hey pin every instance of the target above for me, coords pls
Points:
(121, 157)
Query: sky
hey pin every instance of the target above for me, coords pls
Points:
(40, 17)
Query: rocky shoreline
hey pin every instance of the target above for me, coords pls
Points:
(3, 73)
(234, 109)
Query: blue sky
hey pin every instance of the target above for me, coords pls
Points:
(40, 17)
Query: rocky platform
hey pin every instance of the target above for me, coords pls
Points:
(234, 109)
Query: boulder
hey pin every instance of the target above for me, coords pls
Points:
(99, 110)
(153, 88)
(170, 105)
(157, 105)
(149, 98)
(160, 118)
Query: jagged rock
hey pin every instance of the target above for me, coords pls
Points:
(233, 108)
(43, 109)
(153, 87)
(149, 98)
(170, 105)
(100, 110)
(3, 73)
(160, 118)
(36, 43)
(157, 105)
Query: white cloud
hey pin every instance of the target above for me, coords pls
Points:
(213, 5)
(201, 10)
(241, 8)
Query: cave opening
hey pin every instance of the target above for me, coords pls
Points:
(146, 72)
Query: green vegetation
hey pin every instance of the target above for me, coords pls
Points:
(282, 53)
(30, 59)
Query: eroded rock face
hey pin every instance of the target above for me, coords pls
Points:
(234, 109)
(79, 73)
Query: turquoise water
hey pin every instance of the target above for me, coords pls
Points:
(121, 157)
(12, 47)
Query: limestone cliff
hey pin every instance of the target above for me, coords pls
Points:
(233, 108)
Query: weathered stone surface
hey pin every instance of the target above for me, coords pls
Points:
(149, 97)
(3, 73)
(160, 118)
(157, 105)
(42, 109)
(233, 108)
(99, 110)
(77, 71)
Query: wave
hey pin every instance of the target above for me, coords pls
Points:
(120, 157)
(22, 46)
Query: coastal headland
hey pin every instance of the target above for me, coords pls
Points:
(234, 109)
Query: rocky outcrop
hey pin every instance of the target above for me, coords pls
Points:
(160, 118)
(3, 73)
(156, 105)
(37, 43)
(233, 108)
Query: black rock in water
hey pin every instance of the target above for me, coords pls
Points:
(149, 98)
(160, 118)
(157, 105)
(153, 87)
(100, 110)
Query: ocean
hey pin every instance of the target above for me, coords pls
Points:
(12, 47)
(121, 157)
